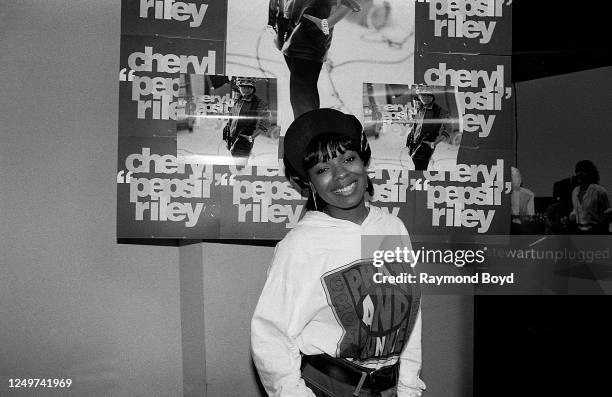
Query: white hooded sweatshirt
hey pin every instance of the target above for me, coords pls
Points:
(320, 298)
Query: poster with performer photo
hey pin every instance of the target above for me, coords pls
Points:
(196, 19)
(208, 89)
(159, 197)
(398, 126)
(372, 44)
(228, 120)
(468, 27)
(485, 95)
(150, 69)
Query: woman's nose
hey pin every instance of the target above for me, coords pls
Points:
(339, 171)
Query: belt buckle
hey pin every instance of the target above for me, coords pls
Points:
(385, 374)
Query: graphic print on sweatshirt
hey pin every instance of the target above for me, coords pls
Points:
(377, 318)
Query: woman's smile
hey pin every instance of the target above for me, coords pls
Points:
(342, 183)
(346, 190)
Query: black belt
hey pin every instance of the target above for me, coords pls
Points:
(351, 374)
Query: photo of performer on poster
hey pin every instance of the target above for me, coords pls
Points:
(415, 127)
(227, 120)
(319, 66)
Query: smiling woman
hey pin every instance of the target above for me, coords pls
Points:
(327, 154)
(320, 299)
(338, 178)
(341, 183)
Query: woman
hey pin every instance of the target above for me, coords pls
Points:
(305, 30)
(249, 118)
(590, 200)
(356, 337)
(430, 127)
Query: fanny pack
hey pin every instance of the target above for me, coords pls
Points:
(343, 371)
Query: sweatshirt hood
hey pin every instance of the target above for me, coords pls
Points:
(321, 219)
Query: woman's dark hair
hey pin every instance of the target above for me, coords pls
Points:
(589, 167)
(323, 148)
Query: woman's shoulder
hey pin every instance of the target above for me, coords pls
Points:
(598, 188)
(306, 230)
(385, 217)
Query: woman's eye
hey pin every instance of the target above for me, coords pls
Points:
(321, 170)
(350, 159)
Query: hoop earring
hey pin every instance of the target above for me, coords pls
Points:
(314, 197)
(369, 186)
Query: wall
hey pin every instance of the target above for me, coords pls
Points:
(561, 120)
(122, 320)
(74, 303)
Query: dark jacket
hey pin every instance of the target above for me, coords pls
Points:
(298, 37)
(249, 116)
(423, 132)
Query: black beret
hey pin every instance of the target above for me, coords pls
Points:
(311, 124)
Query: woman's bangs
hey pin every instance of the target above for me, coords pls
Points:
(325, 147)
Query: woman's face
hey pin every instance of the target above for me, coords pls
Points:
(246, 90)
(582, 176)
(426, 99)
(341, 182)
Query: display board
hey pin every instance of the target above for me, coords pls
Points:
(189, 70)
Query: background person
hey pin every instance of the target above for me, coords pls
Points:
(352, 343)
(249, 117)
(556, 214)
(521, 204)
(304, 35)
(430, 127)
(591, 204)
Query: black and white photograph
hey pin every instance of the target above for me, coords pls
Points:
(228, 120)
(330, 198)
(365, 40)
(414, 127)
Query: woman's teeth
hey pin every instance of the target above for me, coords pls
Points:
(346, 189)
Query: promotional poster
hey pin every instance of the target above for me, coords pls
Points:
(372, 198)
(207, 92)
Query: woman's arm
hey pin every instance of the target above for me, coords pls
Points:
(603, 205)
(263, 119)
(276, 324)
(573, 214)
(337, 14)
(409, 383)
